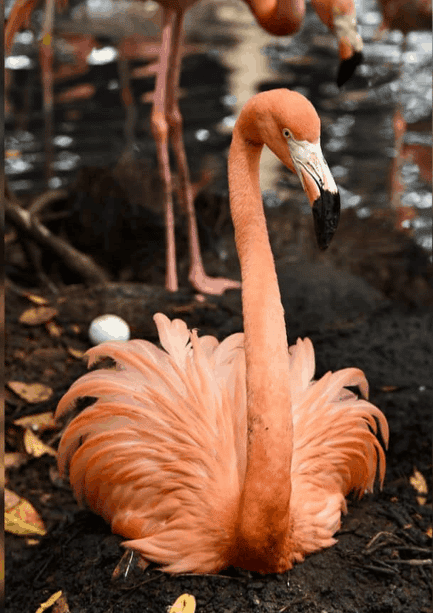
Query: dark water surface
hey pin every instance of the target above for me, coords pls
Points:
(234, 59)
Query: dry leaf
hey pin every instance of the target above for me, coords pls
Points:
(419, 483)
(49, 603)
(21, 517)
(54, 329)
(35, 447)
(76, 353)
(184, 604)
(61, 606)
(36, 299)
(389, 388)
(14, 459)
(31, 392)
(39, 422)
(37, 315)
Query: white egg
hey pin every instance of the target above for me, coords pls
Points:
(108, 328)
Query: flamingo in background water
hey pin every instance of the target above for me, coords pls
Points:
(207, 454)
(284, 17)
(406, 15)
(279, 17)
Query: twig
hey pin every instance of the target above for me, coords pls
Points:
(34, 255)
(413, 562)
(413, 548)
(74, 259)
(43, 200)
(390, 538)
(379, 569)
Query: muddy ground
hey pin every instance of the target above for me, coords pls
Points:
(366, 302)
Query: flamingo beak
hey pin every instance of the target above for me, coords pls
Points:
(348, 66)
(349, 43)
(326, 214)
(319, 186)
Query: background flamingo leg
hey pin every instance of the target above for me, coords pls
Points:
(197, 276)
(128, 103)
(160, 129)
(46, 61)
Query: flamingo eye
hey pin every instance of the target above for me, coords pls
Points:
(286, 133)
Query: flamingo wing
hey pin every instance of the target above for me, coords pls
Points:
(335, 448)
(161, 454)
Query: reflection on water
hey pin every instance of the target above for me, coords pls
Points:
(239, 59)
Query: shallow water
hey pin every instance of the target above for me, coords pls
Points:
(234, 59)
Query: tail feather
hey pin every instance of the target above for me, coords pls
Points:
(174, 336)
(335, 446)
(302, 364)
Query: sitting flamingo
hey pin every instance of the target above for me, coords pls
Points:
(206, 454)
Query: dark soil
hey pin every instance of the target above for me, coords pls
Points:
(364, 307)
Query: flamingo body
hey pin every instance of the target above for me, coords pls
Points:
(205, 454)
(162, 454)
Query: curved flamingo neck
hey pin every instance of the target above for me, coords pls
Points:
(263, 516)
(278, 17)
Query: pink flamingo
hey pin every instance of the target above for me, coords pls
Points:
(280, 17)
(283, 17)
(406, 15)
(207, 454)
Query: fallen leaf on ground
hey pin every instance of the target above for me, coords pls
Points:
(36, 299)
(14, 459)
(419, 483)
(76, 353)
(35, 447)
(54, 329)
(184, 604)
(61, 606)
(37, 315)
(21, 517)
(31, 392)
(39, 422)
(49, 603)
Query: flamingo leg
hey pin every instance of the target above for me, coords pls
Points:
(46, 61)
(128, 103)
(160, 131)
(197, 276)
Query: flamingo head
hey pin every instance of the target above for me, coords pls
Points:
(292, 131)
(350, 43)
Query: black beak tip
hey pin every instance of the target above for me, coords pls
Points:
(348, 67)
(326, 215)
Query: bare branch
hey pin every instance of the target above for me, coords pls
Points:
(35, 230)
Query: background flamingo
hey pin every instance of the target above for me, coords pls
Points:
(280, 17)
(209, 454)
(406, 15)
